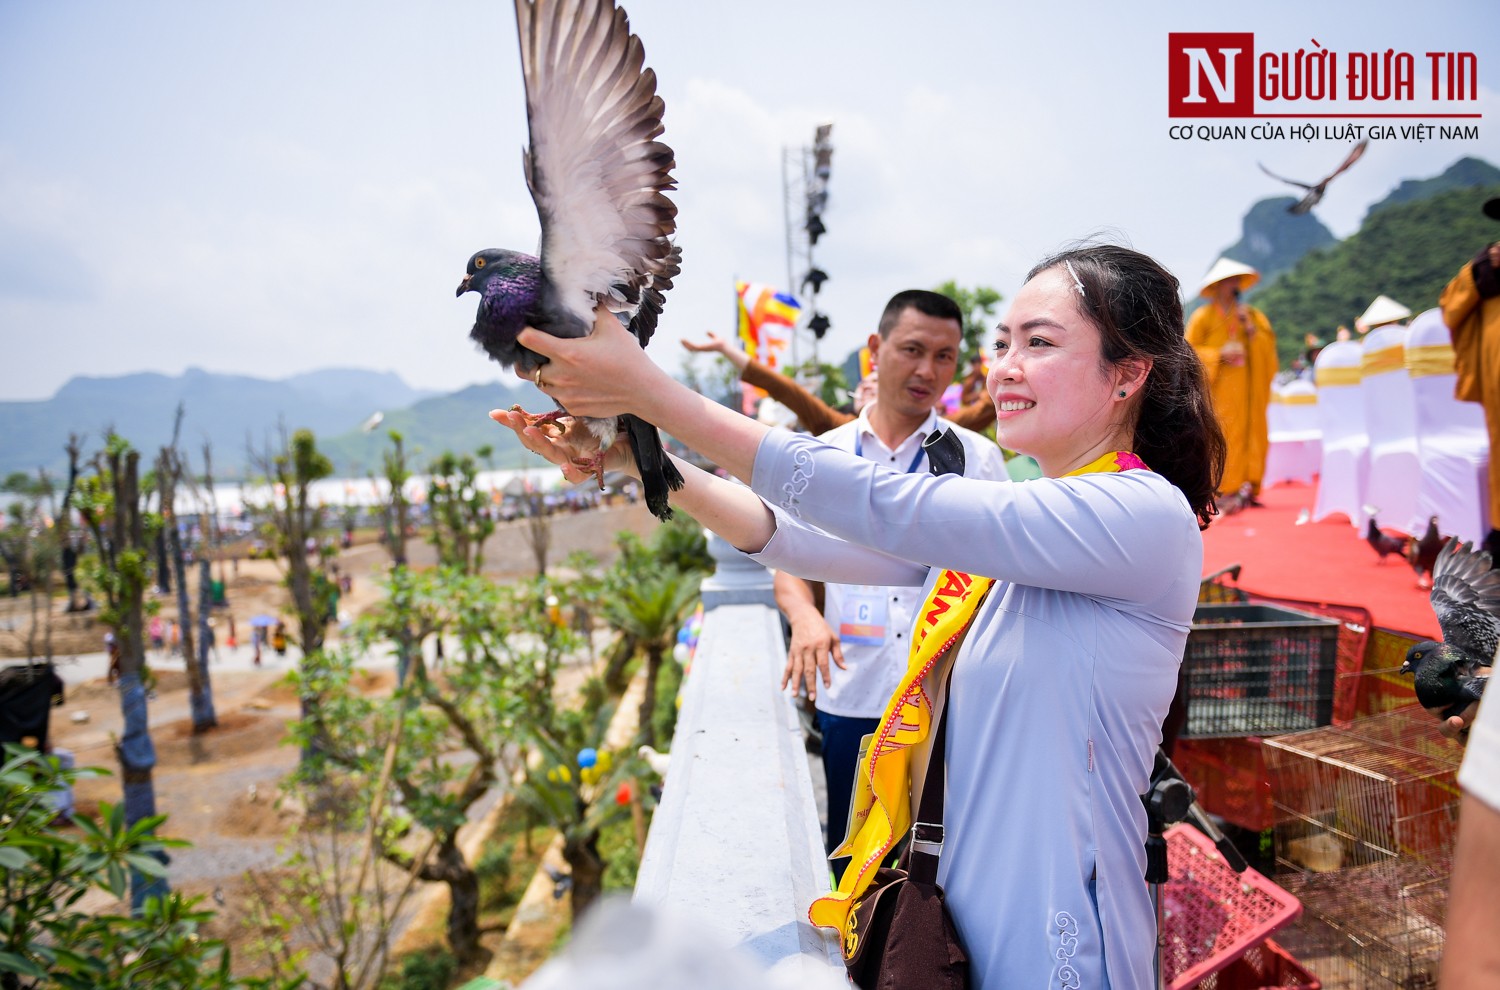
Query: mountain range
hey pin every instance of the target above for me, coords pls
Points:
(234, 413)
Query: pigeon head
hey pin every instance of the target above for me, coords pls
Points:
(1415, 655)
(496, 263)
(508, 284)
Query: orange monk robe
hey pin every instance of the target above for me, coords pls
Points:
(1242, 392)
(1475, 325)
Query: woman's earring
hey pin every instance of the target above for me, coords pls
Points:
(1122, 393)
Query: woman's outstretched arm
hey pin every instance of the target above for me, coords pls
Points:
(608, 373)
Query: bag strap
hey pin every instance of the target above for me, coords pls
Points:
(927, 832)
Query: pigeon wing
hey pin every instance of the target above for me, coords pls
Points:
(654, 296)
(1290, 182)
(1466, 598)
(1359, 149)
(597, 173)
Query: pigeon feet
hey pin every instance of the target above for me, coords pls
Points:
(571, 432)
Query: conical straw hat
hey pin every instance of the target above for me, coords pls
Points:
(1382, 311)
(1228, 268)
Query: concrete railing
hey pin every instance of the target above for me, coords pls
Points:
(735, 841)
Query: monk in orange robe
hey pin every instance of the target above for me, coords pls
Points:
(1471, 309)
(1238, 350)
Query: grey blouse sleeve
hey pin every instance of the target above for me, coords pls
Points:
(1119, 536)
(808, 553)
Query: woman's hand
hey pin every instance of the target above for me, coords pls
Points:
(604, 374)
(556, 443)
(813, 643)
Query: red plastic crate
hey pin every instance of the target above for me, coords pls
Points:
(1211, 915)
(1266, 966)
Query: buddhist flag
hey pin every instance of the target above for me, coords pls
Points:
(766, 321)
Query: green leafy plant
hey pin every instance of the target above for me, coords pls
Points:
(48, 941)
(579, 787)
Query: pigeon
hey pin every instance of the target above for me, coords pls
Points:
(599, 179)
(1422, 553)
(1383, 543)
(656, 760)
(561, 882)
(1466, 598)
(1315, 192)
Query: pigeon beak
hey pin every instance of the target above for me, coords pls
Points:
(1405, 667)
(464, 286)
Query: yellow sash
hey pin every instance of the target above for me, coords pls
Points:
(881, 811)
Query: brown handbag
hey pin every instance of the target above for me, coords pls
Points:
(902, 935)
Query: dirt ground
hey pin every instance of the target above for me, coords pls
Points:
(219, 789)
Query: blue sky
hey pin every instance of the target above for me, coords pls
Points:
(273, 187)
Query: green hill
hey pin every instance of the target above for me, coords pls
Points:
(457, 422)
(1407, 251)
(1273, 240)
(1466, 173)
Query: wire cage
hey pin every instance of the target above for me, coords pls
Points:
(1229, 775)
(1366, 817)
(1258, 670)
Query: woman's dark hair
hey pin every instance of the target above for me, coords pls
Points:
(1135, 305)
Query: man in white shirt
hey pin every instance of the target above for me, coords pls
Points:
(863, 629)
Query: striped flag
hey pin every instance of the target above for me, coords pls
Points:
(766, 319)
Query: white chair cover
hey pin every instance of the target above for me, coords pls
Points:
(1341, 420)
(1452, 443)
(1296, 441)
(1391, 424)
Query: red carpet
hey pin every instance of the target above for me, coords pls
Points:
(1327, 561)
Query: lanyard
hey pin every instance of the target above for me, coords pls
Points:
(859, 450)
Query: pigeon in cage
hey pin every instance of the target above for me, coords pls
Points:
(599, 178)
(1451, 675)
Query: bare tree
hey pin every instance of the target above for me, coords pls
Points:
(65, 536)
(110, 504)
(295, 525)
(395, 512)
(171, 472)
(538, 530)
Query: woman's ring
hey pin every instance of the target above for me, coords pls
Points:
(538, 377)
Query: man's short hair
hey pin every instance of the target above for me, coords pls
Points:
(924, 301)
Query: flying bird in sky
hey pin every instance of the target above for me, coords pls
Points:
(1315, 192)
(599, 178)
(1451, 675)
